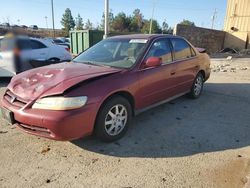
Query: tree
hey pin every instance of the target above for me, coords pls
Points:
(121, 22)
(68, 21)
(88, 24)
(136, 21)
(111, 19)
(187, 22)
(155, 27)
(170, 30)
(79, 22)
(166, 29)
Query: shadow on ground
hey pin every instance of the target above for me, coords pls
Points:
(218, 121)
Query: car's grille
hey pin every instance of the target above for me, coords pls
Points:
(34, 129)
(14, 100)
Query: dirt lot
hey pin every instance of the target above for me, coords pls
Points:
(185, 143)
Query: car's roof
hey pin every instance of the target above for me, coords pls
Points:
(143, 36)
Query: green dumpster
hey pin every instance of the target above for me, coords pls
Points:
(83, 39)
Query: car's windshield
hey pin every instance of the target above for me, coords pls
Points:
(120, 53)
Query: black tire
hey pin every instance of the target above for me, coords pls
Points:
(193, 93)
(100, 128)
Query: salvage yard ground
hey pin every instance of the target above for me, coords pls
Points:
(185, 143)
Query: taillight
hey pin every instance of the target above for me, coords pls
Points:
(68, 49)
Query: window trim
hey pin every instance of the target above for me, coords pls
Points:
(190, 48)
(143, 58)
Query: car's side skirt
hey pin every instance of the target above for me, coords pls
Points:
(137, 112)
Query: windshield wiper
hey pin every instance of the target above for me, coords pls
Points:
(85, 62)
(95, 64)
(89, 63)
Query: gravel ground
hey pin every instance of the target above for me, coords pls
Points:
(185, 143)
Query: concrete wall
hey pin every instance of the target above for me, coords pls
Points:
(212, 40)
(238, 40)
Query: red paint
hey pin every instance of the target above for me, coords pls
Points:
(145, 85)
(153, 62)
(32, 84)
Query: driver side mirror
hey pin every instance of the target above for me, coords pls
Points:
(153, 62)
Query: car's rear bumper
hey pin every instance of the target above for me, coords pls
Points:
(56, 125)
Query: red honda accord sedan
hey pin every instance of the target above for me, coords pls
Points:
(104, 87)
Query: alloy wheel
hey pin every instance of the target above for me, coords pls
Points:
(116, 120)
(198, 85)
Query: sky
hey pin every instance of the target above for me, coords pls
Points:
(33, 12)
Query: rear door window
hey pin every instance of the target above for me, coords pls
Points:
(37, 45)
(182, 49)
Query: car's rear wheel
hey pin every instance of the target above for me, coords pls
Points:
(113, 119)
(197, 86)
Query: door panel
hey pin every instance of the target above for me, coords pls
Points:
(186, 62)
(156, 84)
(39, 54)
(186, 71)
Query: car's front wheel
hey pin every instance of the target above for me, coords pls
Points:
(197, 86)
(113, 119)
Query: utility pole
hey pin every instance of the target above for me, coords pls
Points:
(213, 18)
(106, 24)
(151, 21)
(46, 21)
(53, 20)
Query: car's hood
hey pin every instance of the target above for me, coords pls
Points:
(54, 79)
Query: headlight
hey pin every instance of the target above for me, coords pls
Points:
(60, 103)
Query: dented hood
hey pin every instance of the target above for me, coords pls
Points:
(54, 79)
